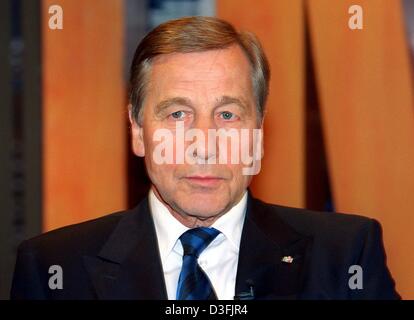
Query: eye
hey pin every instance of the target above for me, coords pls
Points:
(178, 114)
(227, 115)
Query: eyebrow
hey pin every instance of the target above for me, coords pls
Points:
(171, 101)
(222, 101)
(225, 100)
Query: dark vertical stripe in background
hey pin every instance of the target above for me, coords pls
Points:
(317, 184)
(6, 144)
(32, 116)
(20, 130)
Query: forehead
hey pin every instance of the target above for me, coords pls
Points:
(208, 71)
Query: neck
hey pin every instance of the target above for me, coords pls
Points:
(188, 220)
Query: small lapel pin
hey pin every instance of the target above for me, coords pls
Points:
(287, 259)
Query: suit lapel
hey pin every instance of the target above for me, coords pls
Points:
(272, 256)
(128, 266)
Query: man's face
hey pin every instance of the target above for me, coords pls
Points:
(203, 90)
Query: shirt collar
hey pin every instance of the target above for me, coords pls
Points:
(231, 223)
(169, 229)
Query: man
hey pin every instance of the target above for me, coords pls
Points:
(200, 234)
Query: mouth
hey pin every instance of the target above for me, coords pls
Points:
(204, 181)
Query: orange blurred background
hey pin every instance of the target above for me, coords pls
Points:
(339, 132)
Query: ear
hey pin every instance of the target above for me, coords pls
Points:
(137, 135)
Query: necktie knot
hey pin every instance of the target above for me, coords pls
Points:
(195, 240)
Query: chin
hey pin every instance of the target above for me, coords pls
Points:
(203, 205)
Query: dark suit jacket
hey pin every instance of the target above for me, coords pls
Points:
(117, 257)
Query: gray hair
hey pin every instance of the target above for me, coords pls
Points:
(196, 34)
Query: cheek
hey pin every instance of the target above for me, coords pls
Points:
(241, 154)
(162, 175)
(237, 176)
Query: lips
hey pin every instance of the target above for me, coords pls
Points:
(206, 181)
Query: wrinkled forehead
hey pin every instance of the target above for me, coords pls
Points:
(221, 72)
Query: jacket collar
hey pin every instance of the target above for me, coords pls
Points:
(129, 266)
(273, 256)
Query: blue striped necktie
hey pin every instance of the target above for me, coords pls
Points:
(193, 283)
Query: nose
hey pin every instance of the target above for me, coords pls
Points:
(204, 150)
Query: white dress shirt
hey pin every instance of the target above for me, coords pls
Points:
(219, 260)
